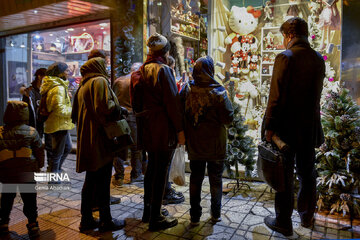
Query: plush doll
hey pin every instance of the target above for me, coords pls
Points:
(293, 10)
(254, 66)
(246, 94)
(268, 13)
(269, 41)
(329, 20)
(242, 21)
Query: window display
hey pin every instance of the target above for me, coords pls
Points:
(71, 45)
(246, 39)
(184, 23)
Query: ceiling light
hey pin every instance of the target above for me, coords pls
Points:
(84, 29)
(70, 29)
(51, 34)
(22, 45)
(35, 11)
(37, 36)
(103, 24)
(102, 28)
(104, 32)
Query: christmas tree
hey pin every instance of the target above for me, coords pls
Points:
(338, 159)
(240, 148)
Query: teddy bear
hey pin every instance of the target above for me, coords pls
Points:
(242, 21)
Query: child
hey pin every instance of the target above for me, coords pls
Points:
(21, 154)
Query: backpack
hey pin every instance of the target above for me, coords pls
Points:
(43, 113)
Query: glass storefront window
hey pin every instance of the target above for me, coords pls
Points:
(25, 53)
(184, 23)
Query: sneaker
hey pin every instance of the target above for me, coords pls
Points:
(273, 224)
(117, 182)
(137, 179)
(162, 223)
(172, 198)
(33, 230)
(86, 225)
(112, 225)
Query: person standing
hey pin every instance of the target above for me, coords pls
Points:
(293, 113)
(207, 112)
(156, 103)
(21, 154)
(58, 104)
(95, 105)
(32, 96)
(121, 88)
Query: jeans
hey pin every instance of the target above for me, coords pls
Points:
(136, 165)
(48, 148)
(215, 170)
(306, 198)
(7, 201)
(61, 147)
(154, 183)
(98, 183)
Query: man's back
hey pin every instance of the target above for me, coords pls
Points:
(295, 101)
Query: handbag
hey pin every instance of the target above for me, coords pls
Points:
(270, 166)
(117, 129)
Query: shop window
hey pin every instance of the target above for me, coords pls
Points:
(17, 68)
(71, 45)
(25, 53)
(245, 39)
(184, 23)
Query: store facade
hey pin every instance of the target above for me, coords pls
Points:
(36, 35)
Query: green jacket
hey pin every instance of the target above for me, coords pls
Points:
(58, 103)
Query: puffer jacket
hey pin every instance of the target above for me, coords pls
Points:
(58, 104)
(21, 149)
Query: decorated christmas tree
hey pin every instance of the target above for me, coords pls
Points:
(240, 148)
(338, 159)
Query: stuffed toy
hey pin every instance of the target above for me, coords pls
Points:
(242, 21)
(268, 13)
(254, 66)
(269, 41)
(329, 20)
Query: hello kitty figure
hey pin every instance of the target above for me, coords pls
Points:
(242, 21)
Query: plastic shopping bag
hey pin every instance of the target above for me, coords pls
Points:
(177, 170)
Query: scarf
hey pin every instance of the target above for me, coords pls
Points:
(204, 91)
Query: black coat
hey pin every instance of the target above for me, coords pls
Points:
(206, 133)
(293, 109)
(161, 117)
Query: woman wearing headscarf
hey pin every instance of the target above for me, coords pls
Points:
(207, 110)
(55, 86)
(94, 106)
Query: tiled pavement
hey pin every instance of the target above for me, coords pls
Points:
(242, 215)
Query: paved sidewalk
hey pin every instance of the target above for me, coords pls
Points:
(242, 215)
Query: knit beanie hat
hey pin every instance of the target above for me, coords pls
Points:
(56, 69)
(158, 45)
